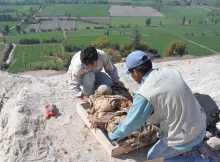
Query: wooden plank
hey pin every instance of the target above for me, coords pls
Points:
(81, 109)
(112, 150)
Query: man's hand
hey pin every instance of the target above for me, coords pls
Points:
(86, 98)
(120, 84)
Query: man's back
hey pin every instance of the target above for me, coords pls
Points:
(179, 114)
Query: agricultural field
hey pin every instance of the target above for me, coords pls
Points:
(158, 36)
(84, 25)
(192, 13)
(91, 10)
(116, 10)
(31, 57)
(53, 24)
(209, 2)
(1, 46)
(197, 26)
(133, 2)
(96, 20)
(165, 2)
(11, 15)
(18, 10)
(171, 25)
(82, 37)
(10, 24)
(40, 36)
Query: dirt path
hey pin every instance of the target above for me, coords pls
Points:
(202, 46)
(8, 61)
(207, 9)
(38, 11)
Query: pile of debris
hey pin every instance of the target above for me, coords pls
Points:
(109, 107)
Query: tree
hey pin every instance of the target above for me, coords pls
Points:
(114, 55)
(175, 48)
(183, 20)
(101, 42)
(18, 29)
(189, 22)
(135, 37)
(148, 21)
(135, 43)
(6, 30)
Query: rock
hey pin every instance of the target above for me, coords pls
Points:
(208, 134)
(214, 143)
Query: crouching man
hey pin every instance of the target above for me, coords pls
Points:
(166, 100)
(85, 72)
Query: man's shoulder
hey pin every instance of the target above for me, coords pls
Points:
(101, 52)
(76, 58)
(165, 69)
(103, 56)
(76, 62)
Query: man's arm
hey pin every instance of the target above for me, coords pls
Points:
(110, 68)
(75, 78)
(137, 115)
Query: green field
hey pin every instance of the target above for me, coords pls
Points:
(134, 2)
(200, 31)
(1, 46)
(75, 10)
(10, 24)
(41, 36)
(156, 37)
(169, 27)
(83, 37)
(18, 10)
(27, 56)
(192, 13)
(15, 11)
(84, 25)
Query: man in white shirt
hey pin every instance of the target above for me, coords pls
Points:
(85, 72)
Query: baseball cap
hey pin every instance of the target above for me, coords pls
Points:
(135, 59)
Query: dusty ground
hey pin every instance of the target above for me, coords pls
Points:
(26, 136)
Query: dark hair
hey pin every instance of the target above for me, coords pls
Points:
(88, 55)
(143, 68)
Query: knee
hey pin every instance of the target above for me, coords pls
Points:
(88, 82)
(88, 77)
(150, 155)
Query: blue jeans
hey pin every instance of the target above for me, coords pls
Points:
(170, 154)
(91, 80)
